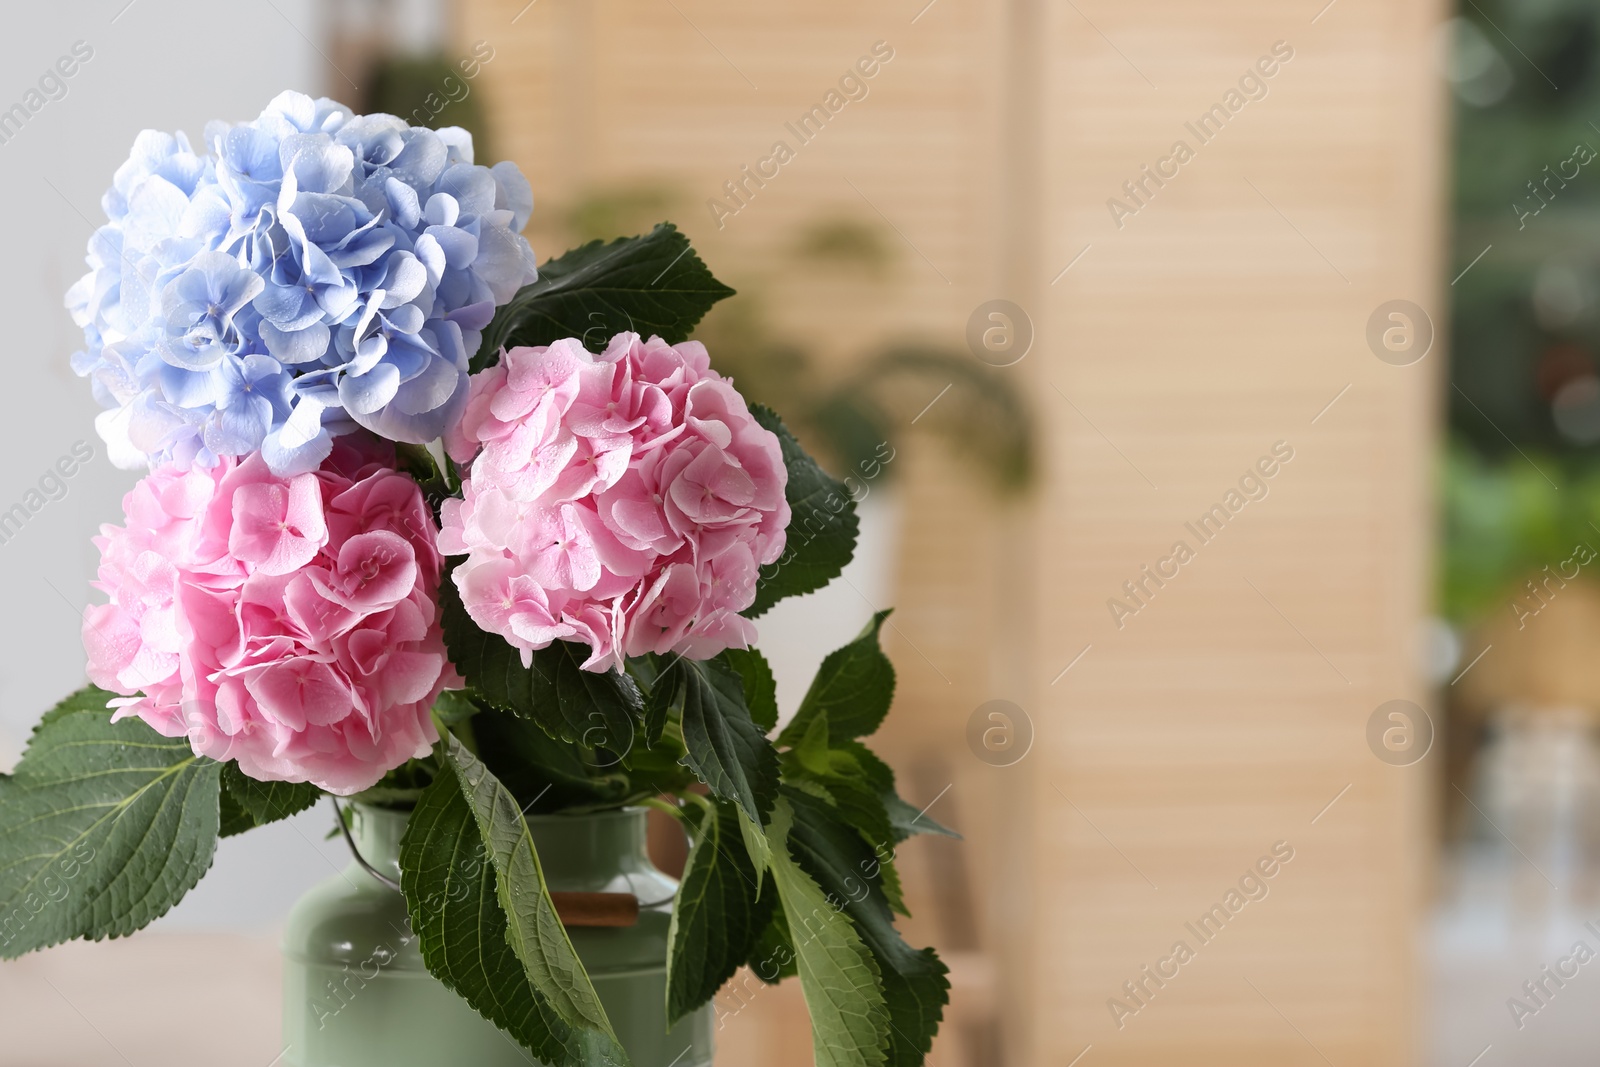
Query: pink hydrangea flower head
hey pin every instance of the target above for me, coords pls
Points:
(288, 623)
(625, 500)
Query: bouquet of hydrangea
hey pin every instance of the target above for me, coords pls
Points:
(403, 485)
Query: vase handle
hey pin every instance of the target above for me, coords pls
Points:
(344, 828)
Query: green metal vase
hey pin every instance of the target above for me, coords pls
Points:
(356, 992)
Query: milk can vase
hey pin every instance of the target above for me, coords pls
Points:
(357, 994)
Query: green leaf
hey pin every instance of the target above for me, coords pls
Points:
(905, 819)
(652, 284)
(860, 788)
(838, 778)
(729, 752)
(584, 707)
(756, 844)
(401, 787)
(106, 826)
(261, 802)
(760, 688)
(417, 461)
(232, 817)
(889, 883)
(660, 768)
(821, 536)
(773, 959)
(835, 778)
(811, 750)
(450, 883)
(546, 774)
(666, 696)
(717, 916)
(838, 973)
(533, 927)
(853, 688)
(454, 706)
(849, 871)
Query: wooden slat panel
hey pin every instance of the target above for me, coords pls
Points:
(1220, 319)
(1227, 713)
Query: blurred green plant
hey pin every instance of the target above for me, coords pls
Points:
(626, 209)
(1504, 521)
(432, 91)
(1525, 318)
(970, 406)
(1524, 395)
(845, 241)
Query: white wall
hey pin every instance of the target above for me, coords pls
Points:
(168, 64)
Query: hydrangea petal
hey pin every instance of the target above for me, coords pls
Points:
(319, 667)
(311, 235)
(623, 501)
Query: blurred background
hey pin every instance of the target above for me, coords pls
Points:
(1223, 384)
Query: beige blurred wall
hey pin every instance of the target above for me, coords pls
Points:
(1220, 319)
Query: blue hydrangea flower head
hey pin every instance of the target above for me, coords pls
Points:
(311, 272)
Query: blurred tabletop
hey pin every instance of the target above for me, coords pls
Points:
(170, 999)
